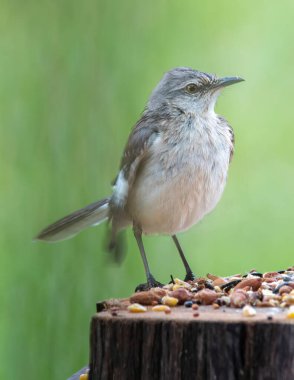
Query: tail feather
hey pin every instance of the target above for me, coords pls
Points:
(70, 225)
(116, 246)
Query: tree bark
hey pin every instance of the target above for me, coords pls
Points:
(214, 345)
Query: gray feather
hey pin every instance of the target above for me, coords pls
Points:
(70, 225)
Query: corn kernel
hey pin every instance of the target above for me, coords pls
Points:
(164, 308)
(169, 301)
(84, 376)
(248, 311)
(290, 313)
(176, 286)
(182, 283)
(289, 299)
(137, 308)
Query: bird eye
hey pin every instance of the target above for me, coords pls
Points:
(191, 88)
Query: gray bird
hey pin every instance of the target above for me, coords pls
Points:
(173, 170)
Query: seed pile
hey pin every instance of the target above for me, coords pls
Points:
(254, 289)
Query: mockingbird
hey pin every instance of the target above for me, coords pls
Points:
(173, 170)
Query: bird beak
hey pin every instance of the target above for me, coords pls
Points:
(227, 81)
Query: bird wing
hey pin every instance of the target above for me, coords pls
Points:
(231, 135)
(139, 143)
(232, 139)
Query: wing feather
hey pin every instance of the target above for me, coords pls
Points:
(139, 143)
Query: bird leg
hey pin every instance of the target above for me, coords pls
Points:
(151, 282)
(190, 276)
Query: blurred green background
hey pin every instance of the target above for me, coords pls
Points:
(74, 78)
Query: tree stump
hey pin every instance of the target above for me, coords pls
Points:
(216, 344)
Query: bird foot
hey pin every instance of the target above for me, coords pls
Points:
(152, 283)
(190, 276)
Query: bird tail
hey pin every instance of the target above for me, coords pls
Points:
(70, 225)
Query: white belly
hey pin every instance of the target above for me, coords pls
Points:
(169, 202)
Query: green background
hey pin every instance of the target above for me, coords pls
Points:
(74, 78)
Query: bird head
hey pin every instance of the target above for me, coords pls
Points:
(189, 90)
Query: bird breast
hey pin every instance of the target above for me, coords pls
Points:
(182, 179)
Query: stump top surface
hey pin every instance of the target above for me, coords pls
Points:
(205, 314)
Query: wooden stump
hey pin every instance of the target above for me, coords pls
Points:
(218, 344)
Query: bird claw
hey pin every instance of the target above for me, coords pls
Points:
(152, 283)
(190, 276)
